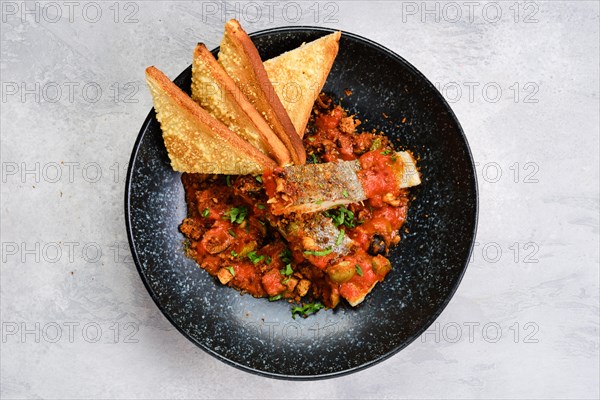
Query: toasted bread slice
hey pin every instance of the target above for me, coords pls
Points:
(218, 94)
(195, 141)
(298, 76)
(241, 60)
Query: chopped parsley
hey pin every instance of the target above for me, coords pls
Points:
(233, 253)
(314, 158)
(275, 298)
(258, 178)
(287, 270)
(345, 193)
(255, 258)
(319, 202)
(237, 214)
(268, 260)
(358, 270)
(286, 256)
(231, 270)
(319, 253)
(231, 232)
(341, 216)
(386, 152)
(306, 310)
(340, 237)
(228, 180)
(261, 206)
(205, 212)
(311, 139)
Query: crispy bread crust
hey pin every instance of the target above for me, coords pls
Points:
(232, 94)
(238, 148)
(264, 97)
(308, 67)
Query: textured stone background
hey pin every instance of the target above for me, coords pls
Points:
(523, 79)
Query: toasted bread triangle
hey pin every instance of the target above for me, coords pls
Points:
(240, 58)
(218, 94)
(298, 76)
(197, 142)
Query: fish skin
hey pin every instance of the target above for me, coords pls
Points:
(319, 187)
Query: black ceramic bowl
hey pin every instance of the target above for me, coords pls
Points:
(261, 336)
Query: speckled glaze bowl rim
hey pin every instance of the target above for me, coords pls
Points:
(434, 316)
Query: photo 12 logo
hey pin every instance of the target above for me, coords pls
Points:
(489, 332)
(489, 92)
(291, 330)
(270, 11)
(69, 332)
(54, 172)
(469, 11)
(517, 252)
(514, 172)
(70, 11)
(65, 252)
(70, 92)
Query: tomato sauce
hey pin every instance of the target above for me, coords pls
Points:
(232, 235)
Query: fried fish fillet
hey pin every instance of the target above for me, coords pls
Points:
(316, 187)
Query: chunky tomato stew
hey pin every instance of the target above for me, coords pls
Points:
(314, 258)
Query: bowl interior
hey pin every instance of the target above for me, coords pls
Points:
(260, 336)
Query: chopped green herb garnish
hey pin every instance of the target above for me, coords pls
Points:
(233, 253)
(205, 212)
(306, 309)
(340, 237)
(358, 270)
(394, 158)
(231, 232)
(228, 180)
(237, 214)
(255, 258)
(386, 152)
(314, 158)
(186, 244)
(275, 298)
(345, 193)
(268, 260)
(286, 280)
(319, 202)
(311, 139)
(258, 178)
(286, 256)
(341, 216)
(319, 253)
(287, 270)
(231, 270)
(261, 206)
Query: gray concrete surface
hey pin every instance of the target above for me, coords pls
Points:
(523, 79)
